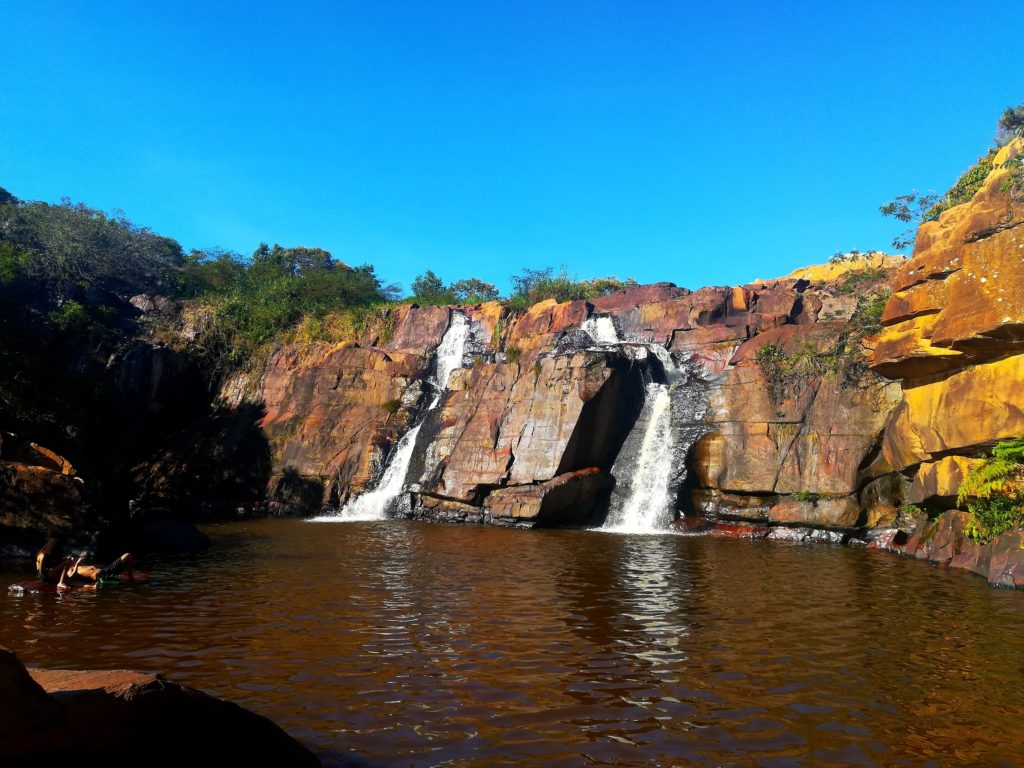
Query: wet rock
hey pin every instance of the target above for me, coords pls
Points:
(805, 535)
(719, 504)
(888, 539)
(738, 531)
(943, 541)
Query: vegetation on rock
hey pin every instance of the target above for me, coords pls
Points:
(429, 289)
(918, 208)
(845, 358)
(531, 286)
(994, 492)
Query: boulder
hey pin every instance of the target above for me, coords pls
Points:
(943, 541)
(570, 498)
(72, 715)
(824, 513)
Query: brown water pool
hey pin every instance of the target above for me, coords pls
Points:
(395, 644)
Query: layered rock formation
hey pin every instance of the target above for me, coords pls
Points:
(954, 335)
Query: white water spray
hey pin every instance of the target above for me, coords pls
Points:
(601, 330)
(648, 508)
(373, 505)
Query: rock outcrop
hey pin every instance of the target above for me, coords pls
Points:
(542, 436)
(40, 495)
(61, 716)
(954, 335)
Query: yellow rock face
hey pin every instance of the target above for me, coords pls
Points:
(826, 273)
(962, 293)
(963, 413)
(954, 332)
(940, 480)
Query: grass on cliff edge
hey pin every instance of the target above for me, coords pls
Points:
(994, 492)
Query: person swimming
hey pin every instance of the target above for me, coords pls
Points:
(68, 573)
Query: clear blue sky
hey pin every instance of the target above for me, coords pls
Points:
(702, 143)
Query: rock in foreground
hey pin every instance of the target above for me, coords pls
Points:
(58, 715)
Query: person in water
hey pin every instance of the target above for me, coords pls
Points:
(50, 566)
(70, 572)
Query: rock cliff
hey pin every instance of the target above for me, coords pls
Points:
(532, 423)
(954, 336)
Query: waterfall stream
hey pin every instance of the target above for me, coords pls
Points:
(374, 504)
(648, 505)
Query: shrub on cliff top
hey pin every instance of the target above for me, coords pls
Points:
(1010, 125)
(534, 285)
(429, 289)
(994, 492)
(920, 208)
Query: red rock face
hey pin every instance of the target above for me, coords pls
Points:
(419, 329)
(509, 435)
(943, 541)
(330, 414)
(514, 425)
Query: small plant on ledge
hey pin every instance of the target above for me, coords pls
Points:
(807, 496)
(391, 406)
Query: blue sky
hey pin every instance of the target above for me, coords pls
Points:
(701, 143)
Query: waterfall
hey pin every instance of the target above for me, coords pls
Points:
(601, 329)
(652, 464)
(374, 505)
(648, 507)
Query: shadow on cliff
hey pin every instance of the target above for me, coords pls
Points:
(217, 467)
(596, 441)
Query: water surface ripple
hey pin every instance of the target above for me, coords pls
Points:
(393, 644)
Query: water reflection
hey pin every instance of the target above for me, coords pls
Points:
(419, 644)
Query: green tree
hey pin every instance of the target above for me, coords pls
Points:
(428, 288)
(473, 291)
(1010, 125)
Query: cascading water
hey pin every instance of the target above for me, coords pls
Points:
(601, 329)
(652, 464)
(648, 506)
(374, 505)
